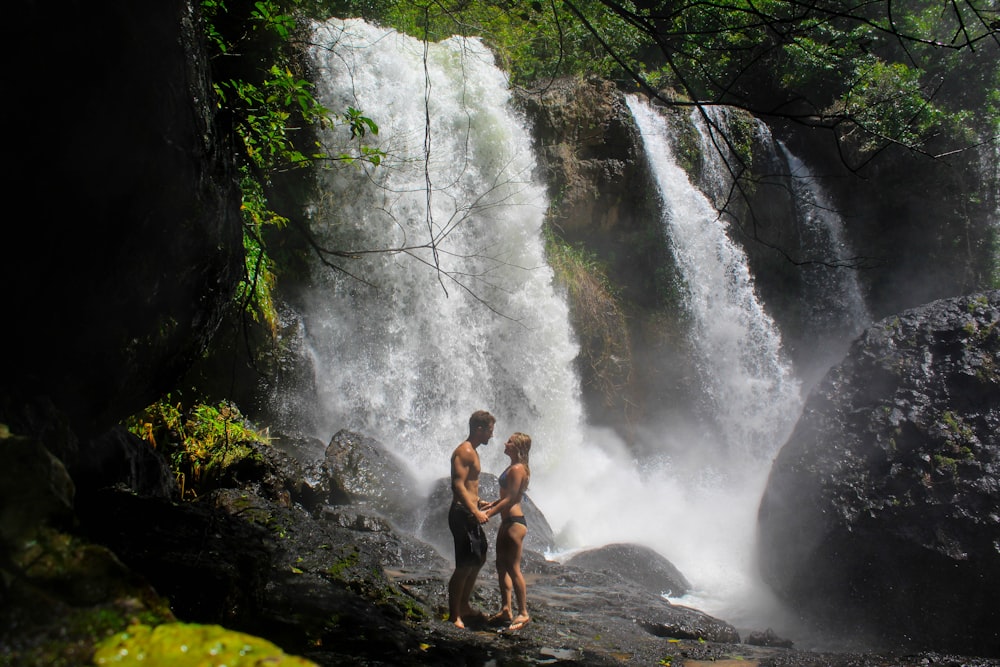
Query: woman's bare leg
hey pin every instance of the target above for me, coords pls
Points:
(504, 580)
(517, 533)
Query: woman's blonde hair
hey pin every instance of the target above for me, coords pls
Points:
(522, 443)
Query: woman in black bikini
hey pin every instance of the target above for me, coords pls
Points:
(513, 528)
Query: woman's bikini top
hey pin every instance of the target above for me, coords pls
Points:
(502, 480)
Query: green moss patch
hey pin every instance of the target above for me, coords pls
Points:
(190, 644)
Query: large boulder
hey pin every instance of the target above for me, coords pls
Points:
(637, 563)
(119, 458)
(369, 474)
(884, 505)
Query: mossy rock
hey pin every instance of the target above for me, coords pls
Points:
(180, 644)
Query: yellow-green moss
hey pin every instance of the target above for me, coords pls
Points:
(182, 644)
(201, 439)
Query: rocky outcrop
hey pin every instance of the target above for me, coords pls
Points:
(882, 508)
(636, 563)
(338, 584)
(119, 274)
(626, 315)
(343, 584)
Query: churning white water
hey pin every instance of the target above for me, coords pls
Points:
(756, 396)
(458, 311)
(461, 313)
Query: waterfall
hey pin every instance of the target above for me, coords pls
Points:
(835, 307)
(755, 395)
(460, 312)
(832, 308)
(457, 311)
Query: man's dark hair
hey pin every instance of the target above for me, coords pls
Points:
(481, 419)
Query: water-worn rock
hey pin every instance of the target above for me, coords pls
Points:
(881, 511)
(120, 458)
(368, 472)
(636, 563)
(35, 490)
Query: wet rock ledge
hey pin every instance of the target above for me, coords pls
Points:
(311, 556)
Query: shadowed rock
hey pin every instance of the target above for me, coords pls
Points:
(636, 563)
(881, 510)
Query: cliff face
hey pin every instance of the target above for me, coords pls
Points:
(605, 204)
(130, 249)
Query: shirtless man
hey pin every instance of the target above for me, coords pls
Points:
(466, 519)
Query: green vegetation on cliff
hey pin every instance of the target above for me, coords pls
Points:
(913, 74)
(199, 439)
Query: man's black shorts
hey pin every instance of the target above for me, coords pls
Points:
(470, 538)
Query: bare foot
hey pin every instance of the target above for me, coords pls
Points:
(459, 623)
(503, 616)
(519, 622)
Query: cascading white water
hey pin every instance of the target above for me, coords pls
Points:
(755, 393)
(408, 359)
(757, 398)
(832, 304)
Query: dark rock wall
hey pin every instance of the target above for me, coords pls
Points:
(881, 510)
(920, 224)
(128, 248)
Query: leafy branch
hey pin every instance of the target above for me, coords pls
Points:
(274, 113)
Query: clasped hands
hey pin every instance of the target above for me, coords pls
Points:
(483, 506)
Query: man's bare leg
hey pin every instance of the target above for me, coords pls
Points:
(460, 588)
(468, 613)
(457, 587)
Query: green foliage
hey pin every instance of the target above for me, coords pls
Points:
(200, 440)
(888, 100)
(275, 116)
(841, 64)
(597, 313)
(532, 40)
